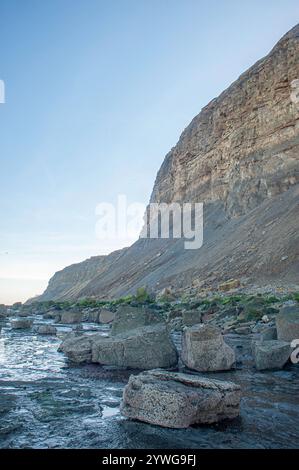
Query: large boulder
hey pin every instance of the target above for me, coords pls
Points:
(46, 330)
(271, 354)
(143, 348)
(128, 318)
(204, 349)
(287, 323)
(106, 316)
(21, 323)
(191, 317)
(70, 318)
(77, 348)
(176, 400)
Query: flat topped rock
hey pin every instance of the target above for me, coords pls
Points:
(204, 349)
(287, 323)
(177, 400)
(272, 354)
(128, 318)
(143, 348)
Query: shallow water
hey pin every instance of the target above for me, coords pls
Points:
(46, 403)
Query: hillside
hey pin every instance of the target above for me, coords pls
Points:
(239, 156)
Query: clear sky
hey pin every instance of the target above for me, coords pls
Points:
(97, 92)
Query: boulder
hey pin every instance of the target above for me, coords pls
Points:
(91, 315)
(77, 348)
(46, 330)
(69, 318)
(128, 318)
(143, 348)
(204, 349)
(21, 323)
(271, 354)
(176, 400)
(53, 315)
(106, 316)
(191, 317)
(287, 323)
(268, 334)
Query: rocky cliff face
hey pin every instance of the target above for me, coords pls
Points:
(239, 157)
(243, 146)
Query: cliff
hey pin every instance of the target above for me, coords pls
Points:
(239, 156)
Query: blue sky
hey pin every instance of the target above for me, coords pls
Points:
(97, 92)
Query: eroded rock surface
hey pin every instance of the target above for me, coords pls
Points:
(178, 400)
(204, 349)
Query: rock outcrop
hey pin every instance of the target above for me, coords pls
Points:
(142, 348)
(46, 330)
(177, 400)
(204, 349)
(21, 323)
(271, 354)
(128, 318)
(239, 157)
(287, 323)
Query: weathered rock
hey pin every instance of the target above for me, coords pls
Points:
(143, 348)
(271, 354)
(21, 323)
(177, 400)
(91, 315)
(106, 316)
(71, 317)
(77, 348)
(46, 330)
(268, 334)
(204, 349)
(287, 323)
(128, 318)
(53, 315)
(229, 285)
(191, 317)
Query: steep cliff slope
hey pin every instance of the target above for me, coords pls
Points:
(239, 157)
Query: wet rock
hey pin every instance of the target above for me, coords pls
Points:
(287, 323)
(77, 348)
(143, 348)
(46, 330)
(52, 315)
(271, 354)
(21, 323)
(71, 317)
(106, 316)
(128, 318)
(204, 349)
(176, 400)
